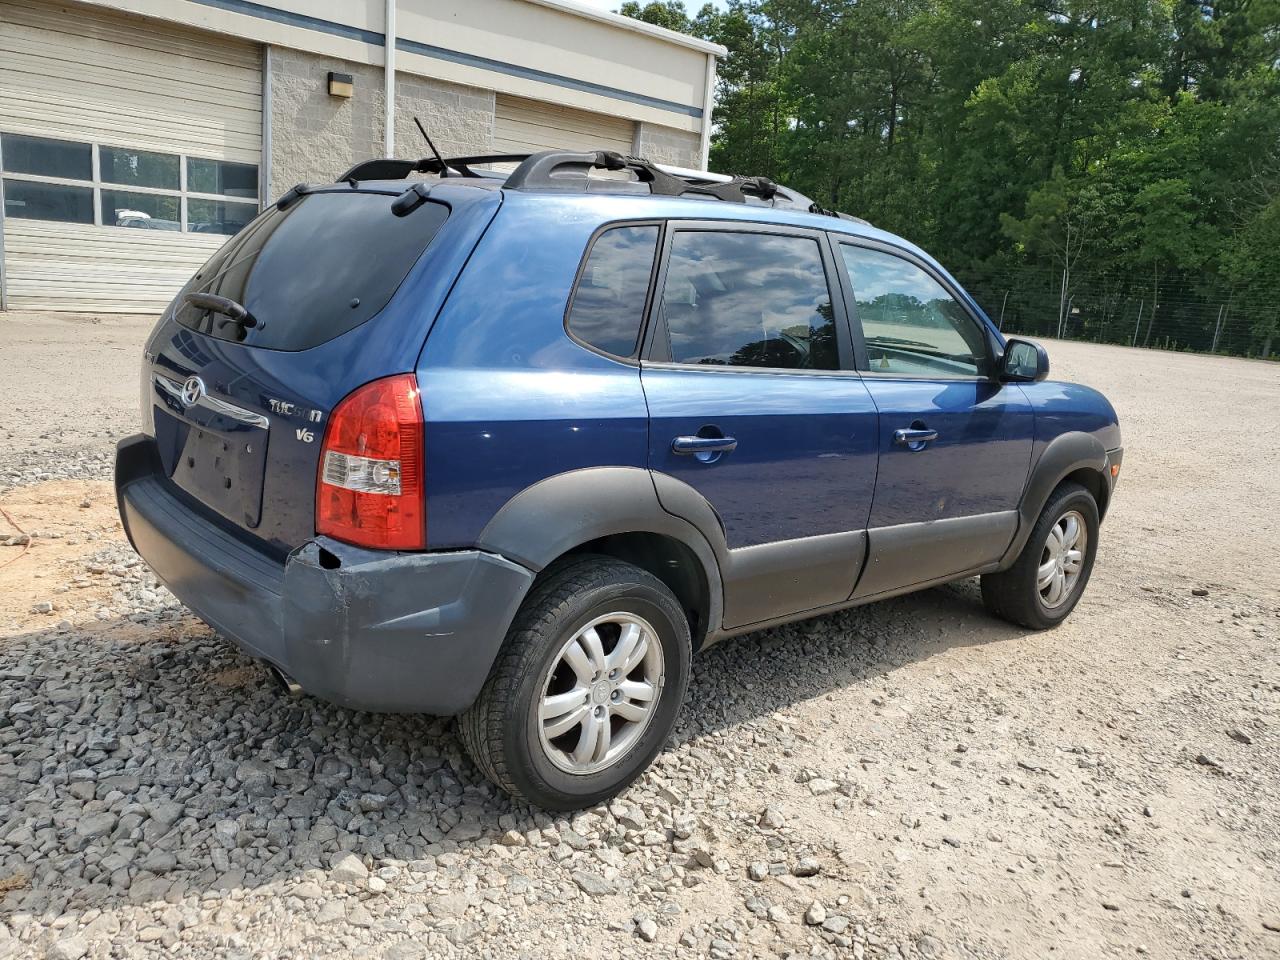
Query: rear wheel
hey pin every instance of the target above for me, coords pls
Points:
(586, 688)
(1047, 580)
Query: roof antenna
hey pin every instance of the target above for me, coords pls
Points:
(444, 167)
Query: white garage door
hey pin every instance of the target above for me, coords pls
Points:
(521, 126)
(129, 151)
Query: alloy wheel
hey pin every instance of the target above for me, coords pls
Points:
(600, 693)
(1062, 559)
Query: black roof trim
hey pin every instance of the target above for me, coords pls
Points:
(394, 169)
(382, 168)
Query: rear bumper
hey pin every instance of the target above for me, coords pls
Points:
(370, 630)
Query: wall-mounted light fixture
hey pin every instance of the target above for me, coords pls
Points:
(340, 85)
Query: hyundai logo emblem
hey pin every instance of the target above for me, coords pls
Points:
(192, 390)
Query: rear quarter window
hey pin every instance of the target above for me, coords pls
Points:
(313, 271)
(607, 306)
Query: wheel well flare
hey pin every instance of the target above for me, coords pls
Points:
(670, 561)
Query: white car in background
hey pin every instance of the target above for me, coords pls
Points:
(139, 218)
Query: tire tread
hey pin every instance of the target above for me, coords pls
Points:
(483, 725)
(1005, 594)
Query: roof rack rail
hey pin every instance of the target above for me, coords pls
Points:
(569, 171)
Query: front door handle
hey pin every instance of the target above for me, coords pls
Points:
(693, 445)
(914, 438)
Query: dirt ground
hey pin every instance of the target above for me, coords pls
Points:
(968, 789)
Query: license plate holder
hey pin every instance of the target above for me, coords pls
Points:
(225, 471)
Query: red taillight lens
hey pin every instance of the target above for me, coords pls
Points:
(370, 485)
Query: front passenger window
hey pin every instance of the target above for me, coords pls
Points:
(739, 299)
(911, 324)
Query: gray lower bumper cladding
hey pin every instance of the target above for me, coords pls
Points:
(370, 630)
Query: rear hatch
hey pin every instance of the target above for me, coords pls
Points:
(301, 307)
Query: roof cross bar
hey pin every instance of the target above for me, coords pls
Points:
(569, 171)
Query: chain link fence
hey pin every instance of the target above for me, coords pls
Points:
(1184, 313)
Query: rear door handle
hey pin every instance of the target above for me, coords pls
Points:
(687, 445)
(914, 438)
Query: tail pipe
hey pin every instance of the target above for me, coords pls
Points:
(287, 684)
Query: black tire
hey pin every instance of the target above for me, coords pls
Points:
(1013, 594)
(501, 730)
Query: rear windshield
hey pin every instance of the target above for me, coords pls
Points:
(319, 268)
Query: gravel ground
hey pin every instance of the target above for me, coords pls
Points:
(910, 779)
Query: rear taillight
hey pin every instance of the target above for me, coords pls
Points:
(370, 485)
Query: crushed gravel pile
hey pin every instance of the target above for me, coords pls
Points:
(907, 780)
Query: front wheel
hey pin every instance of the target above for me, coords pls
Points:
(586, 688)
(1047, 580)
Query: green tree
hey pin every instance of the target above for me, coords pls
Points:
(1116, 154)
(1165, 235)
(1060, 219)
(1254, 267)
(670, 14)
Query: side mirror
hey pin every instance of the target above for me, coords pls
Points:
(1024, 361)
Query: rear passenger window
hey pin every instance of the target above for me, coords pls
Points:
(608, 303)
(748, 300)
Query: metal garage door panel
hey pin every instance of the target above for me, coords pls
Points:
(71, 266)
(523, 125)
(99, 77)
(115, 80)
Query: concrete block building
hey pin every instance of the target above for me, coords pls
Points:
(137, 135)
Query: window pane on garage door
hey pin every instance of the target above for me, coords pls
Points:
(138, 168)
(48, 201)
(43, 157)
(148, 211)
(217, 216)
(219, 176)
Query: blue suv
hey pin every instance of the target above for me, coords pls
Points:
(516, 445)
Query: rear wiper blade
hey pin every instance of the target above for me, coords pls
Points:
(234, 312)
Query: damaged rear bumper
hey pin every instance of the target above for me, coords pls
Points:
(370, 630)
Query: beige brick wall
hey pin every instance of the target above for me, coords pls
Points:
(315, 137)
(665, 145)
(458, 119)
